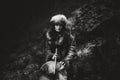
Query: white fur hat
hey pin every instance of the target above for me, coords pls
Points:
(59, 18)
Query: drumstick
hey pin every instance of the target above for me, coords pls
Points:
(55, 60)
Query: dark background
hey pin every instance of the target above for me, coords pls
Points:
(19, 19)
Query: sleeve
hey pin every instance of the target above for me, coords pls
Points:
(71, 52)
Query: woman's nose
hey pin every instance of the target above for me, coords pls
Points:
(57, 26)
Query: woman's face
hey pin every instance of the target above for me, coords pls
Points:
(58, 27)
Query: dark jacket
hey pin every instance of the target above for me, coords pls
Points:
(63, 42)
